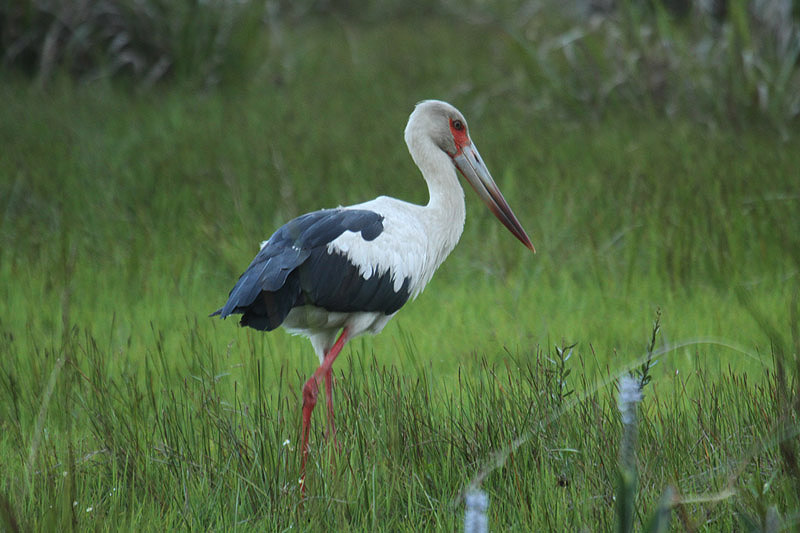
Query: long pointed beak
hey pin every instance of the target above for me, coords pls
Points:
(470, 164)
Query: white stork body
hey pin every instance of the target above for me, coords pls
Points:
(335, 274)
(415, 241)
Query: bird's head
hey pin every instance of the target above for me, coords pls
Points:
(444, 125)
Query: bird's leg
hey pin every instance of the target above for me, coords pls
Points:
(310, 391)
(331, 431)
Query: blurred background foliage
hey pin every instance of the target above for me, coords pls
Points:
(732, 60)
(147, 146)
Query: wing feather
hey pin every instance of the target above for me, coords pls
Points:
(296, 267)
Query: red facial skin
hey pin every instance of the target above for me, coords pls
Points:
(459, 131)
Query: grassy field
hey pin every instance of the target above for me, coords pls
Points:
(126, 216)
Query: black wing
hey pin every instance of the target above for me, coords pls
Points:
(295, 268)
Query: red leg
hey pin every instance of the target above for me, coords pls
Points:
(331, 432)
(310, 391)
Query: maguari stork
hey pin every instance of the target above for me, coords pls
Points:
(335, 274)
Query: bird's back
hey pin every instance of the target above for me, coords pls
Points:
(298, 266)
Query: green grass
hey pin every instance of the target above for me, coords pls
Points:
(126, 217)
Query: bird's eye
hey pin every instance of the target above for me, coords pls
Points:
(458, 125)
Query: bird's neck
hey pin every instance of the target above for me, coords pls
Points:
(446, 198)
(445, 211)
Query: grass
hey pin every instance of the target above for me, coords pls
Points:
(126, 217)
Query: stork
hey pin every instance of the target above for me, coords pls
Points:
(335, 274)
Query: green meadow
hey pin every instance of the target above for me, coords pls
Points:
(667, 229)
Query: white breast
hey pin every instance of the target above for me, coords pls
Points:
(411, 245)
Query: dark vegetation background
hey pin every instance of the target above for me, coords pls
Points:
(649, 148)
